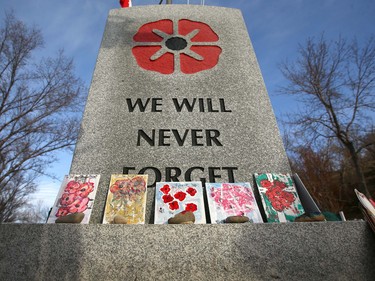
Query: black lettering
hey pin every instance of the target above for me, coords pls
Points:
(155, 104)
(222, 106)
(125, 170)
(212, 136)
(149, 140)
(180, 140)
(211, 174)
(189, 172)
(230, 173)
(157, 175)
(185, 103)
(195, 137)
(210, 107)
(169, 176)
(139, 103)
(163, 136)
(201, 105)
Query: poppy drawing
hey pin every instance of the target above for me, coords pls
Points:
(182, 46)
(172, 198)
(76, 195)
(232, 199)
(279, 197)
(127, 198)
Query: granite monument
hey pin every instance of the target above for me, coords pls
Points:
(177, 94)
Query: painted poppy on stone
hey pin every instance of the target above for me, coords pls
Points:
(189, 47)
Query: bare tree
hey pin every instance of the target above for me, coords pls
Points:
(33, 213)
(335, 83)
(318, 171)
(38, 105)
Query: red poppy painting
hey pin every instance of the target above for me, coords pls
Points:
(279, 197)
(127, 195)
(182, 46)
(172, 198)
(232, 199)
(76, 195)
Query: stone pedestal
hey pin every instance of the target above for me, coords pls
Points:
(294, 251)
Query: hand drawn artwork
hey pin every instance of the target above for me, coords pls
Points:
(127, 198)
(167, 46)
(76, 195)
(172, 198)
(232, 199)
(279, 197)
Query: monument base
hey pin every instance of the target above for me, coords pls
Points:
(295, 251)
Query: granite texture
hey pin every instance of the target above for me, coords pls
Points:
(296, 251)
(108, 137)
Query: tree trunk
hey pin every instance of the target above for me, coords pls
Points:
(362, 186)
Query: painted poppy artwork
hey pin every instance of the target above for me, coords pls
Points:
(232, 199)
(76, 195)
(172, 198)
(126, 197)
(279, 197)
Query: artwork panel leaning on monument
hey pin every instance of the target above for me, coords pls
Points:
(177, 94)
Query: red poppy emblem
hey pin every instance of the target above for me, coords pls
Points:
(187, 46)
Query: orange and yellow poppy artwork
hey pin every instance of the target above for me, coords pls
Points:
(126, 197)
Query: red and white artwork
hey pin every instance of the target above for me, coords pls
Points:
(172, 198)
(279, 196)
(232, 199)
(76, 195)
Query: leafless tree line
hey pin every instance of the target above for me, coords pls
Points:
(38, 105)
(334, 82)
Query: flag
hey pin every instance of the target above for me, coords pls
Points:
(367, 209)
(366, 204)
(125, 3)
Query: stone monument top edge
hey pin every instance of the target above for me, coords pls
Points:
(171, 7)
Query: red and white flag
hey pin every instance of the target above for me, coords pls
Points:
(125, 3)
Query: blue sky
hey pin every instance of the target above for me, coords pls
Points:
(276, 27)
